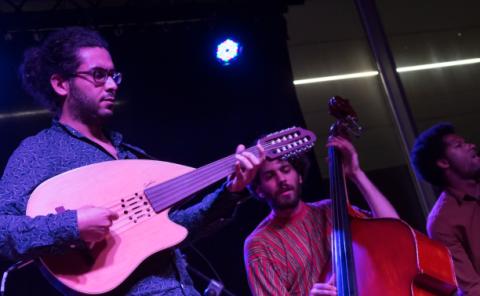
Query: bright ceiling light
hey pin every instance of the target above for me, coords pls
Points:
(336, 77)
(438, 65)
(399, 70)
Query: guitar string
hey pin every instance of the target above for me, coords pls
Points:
(129, 223)
(173, 183)
(118, 202)
(126, 217)
(198, 174)
(199, 177)
(167, 190)
(173, 186)
(120, 228)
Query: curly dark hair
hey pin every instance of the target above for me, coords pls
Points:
(56, 55)
(428, 148)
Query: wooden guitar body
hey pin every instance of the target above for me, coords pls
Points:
(118, 185)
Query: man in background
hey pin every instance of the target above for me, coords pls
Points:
(448, 161)
(289, 253)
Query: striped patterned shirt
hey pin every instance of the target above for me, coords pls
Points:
(286, 256)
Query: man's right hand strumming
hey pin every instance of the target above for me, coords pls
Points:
(94, 223)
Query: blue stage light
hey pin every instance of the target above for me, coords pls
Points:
(228, 51)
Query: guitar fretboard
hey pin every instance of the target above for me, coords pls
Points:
(171, 192)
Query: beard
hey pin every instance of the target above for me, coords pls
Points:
(85, 108)
(469, 171)
(291, 201)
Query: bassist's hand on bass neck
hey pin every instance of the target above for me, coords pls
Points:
(324, 289)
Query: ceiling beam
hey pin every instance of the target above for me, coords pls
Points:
(133, 14)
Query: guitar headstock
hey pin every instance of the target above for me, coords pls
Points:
(287, 143)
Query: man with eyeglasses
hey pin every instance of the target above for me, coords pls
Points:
(72, 73)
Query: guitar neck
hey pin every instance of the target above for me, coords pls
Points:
(169, 193)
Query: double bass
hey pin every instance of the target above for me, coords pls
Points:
(381, 256)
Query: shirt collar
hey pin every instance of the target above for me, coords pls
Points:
(459, 195)
(299, 214)
(115, 137)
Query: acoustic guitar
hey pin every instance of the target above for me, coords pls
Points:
(142, 193)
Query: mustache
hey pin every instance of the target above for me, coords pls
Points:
(285, 187)
(109, 96)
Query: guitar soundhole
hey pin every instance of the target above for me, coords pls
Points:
(136, 208)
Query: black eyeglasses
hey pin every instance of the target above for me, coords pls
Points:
(100, 75)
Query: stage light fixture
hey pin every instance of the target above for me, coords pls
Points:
(228, 51)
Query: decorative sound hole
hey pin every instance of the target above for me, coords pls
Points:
(136, 208)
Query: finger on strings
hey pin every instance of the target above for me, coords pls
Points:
(251, 157)
(261, 151)
(240, 148)
(244, 162)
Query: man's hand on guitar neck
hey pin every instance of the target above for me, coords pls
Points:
(245, 168)
(94, 223)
